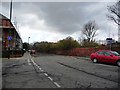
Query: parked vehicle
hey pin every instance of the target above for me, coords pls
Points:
(106, 56)
(32, 52)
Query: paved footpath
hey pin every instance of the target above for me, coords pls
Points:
(21, 73)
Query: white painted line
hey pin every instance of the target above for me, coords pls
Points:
(50, 78)
(45, 74)
(28, 62)
(34, 63)
(57, 84)
(42, 70)
(37, 66)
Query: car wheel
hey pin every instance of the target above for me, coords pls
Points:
(95, 60)
(118, 63)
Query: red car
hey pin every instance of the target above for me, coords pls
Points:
(106, 56)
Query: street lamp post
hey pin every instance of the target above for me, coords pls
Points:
(28, 43)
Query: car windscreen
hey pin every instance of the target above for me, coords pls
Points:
(115, 53)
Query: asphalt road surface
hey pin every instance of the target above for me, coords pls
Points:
(56, 71)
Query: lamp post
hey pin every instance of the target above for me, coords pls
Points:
(28, 43)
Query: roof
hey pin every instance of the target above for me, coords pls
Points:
(3, 17)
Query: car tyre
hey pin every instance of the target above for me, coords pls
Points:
(118, 63)
(95, 60)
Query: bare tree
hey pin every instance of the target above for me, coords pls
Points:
(115, 12)
(89, 30)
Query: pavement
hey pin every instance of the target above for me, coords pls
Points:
(21, 73)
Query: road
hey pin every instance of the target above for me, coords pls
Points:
(56, 71)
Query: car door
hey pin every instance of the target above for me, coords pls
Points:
(107, 57)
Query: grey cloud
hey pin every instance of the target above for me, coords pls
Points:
(64, 17)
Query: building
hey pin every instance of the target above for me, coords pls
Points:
(9, 35)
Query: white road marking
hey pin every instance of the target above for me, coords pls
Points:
(45, 73)
(50, 78)
(57, 84)
(37, 66)
(28, 62)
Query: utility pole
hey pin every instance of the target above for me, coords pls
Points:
(10, 10)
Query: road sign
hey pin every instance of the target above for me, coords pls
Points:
(9, 37)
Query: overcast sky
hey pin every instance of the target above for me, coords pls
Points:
(52, 21)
